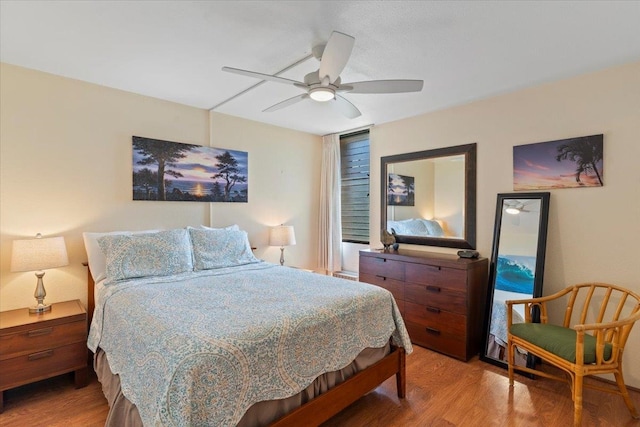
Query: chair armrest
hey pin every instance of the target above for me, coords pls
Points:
(540, 299)
(614, 333)
(608, 325)
(530, 303)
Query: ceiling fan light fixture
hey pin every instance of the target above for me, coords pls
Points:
(512, 211)
(322, 94)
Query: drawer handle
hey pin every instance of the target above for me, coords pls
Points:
(40, 355)
(433, 331)
(382, 277)
(433, 309)
(39, 332)
(433, 289)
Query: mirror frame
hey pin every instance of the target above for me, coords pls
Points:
(543, 220)
(470, 152)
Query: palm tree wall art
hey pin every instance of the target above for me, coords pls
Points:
(566, 163)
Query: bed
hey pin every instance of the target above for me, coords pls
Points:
(497, 340)
(189, 328)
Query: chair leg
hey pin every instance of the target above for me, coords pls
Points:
(577, 400)
(625, 395)
(510, 362)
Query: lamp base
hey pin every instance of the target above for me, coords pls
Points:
(40, 308)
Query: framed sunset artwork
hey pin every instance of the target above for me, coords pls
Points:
(174, 171)
(565, 163)
(401, 190)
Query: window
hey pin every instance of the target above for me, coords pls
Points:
(354, 159)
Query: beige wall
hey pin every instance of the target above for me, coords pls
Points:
(65, 153)
(593, 232)
(284, 186)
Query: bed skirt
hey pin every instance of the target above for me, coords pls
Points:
(123, 413)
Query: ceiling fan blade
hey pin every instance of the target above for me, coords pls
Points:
(286, 103)
(345, 107)
(385, 86)
(335, 56)
(264, 77)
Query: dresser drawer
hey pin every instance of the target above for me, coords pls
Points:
(42, 364)
(437, 340)
(437, 319)
(435, 296)
(382, 267)
(396, 287)
(42, 337)
(433, 275)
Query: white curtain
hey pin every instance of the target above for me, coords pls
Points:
(330, 253)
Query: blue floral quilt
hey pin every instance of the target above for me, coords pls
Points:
(199, 349)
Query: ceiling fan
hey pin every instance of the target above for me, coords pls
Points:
(324, 85)
(514, 207)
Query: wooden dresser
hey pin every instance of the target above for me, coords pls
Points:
(441, 297)
(38, 346)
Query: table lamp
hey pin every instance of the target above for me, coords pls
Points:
(282, 235)
(37, 255)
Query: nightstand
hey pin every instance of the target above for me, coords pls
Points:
(38, 346)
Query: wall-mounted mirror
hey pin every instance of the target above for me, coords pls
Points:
(429, 197)
(517, 267)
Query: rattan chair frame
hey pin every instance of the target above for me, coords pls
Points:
(613, 330)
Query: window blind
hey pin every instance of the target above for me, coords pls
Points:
(354, 159)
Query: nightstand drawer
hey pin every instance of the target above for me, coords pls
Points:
(41, 337)
(42, 364)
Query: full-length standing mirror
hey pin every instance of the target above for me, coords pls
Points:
(429, 197)
(517, 267)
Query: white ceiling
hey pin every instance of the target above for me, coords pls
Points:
(175, 50)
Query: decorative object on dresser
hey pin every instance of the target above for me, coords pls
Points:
(35, 347)
(441, 296)
(37, 255)
(517, 269)
(282, 235)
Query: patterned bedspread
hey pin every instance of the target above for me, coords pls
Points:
(499, 321)
(201, 348)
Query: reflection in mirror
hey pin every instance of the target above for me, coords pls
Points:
(428, 197)
(517, 267)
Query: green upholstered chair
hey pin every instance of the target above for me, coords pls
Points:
(576, 347)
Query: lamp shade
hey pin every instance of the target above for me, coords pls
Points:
(38, 254)
(282, 235)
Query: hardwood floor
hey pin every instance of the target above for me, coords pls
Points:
(441, 391)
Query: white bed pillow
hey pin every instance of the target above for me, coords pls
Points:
(149, 254)
(229, 227)
(95, 256)
(220, 248)
(415, 227)
(433, 227)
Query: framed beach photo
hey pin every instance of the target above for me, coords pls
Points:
(565, 163)
(174, 171)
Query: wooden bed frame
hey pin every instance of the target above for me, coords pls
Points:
(325, 406)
